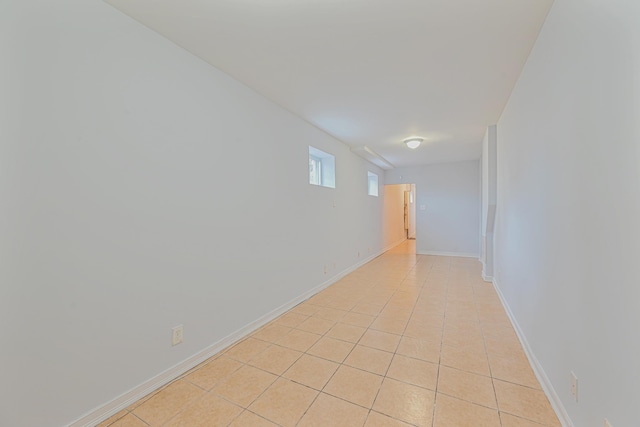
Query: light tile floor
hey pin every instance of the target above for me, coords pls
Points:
(406, 340)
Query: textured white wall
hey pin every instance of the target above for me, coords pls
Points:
(568, 222)
(451, 196)
(142, 189)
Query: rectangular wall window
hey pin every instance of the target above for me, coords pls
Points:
(322, 168)
(373, 184)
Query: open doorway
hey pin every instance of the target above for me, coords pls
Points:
(410, 211)
(399, 217)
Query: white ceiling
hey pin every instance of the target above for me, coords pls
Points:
(369, 72)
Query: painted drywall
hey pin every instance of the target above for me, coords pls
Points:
(448, 206)
(393, 214)
(568, 219)
(141, 189)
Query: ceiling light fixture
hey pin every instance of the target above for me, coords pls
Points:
(413, 142)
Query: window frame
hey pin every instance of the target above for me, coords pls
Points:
(323, 164)
(371, 175)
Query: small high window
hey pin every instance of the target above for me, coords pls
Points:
(322, 168)
(373, 184)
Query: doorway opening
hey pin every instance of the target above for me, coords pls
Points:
(399, 214)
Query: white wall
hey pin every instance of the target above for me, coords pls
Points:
(393, 230)
(142, 189)
(568, 221)
(450, 195)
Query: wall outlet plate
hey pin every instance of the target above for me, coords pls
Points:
(574, 386)
(177, 335)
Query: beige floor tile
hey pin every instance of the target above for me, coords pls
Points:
(460, 338)
(503, 346)
(513, 369)
(419, 349)
(112, 419)
(342, 331)
(284, 403)
(291, 319)
(357, 319)
(129, 420)
(369, 359)
(466, 359)
(299, 340)
(414, 371)
(380, 340)
(462, 314)
(512, 421)
(272, 333)
(354, 385)
(405, 402)
(168, 402)
(316, 325)
(429, 316)
(493, 319)
(467, 386)
(249, 419)
(377, 419)
(207, 411)
(275, 359)
(329, 411)
(244, 385)
(311, 371)
(247, 349)
(306, 308)
(389, 324)
(424, 332)
(331, 349)
(328, 313)
(392, 312)
(213, 372)
(366, 308)
(343, 304)
(400, 315)
(525, 402)
(455, 412)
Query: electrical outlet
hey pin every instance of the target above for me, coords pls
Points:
(176, 335)
(369, 249)
(607, 423)
(326, 268)
(574, 386)
(358, 254)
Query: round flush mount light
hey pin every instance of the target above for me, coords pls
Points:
(413, 142)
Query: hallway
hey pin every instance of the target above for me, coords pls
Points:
(406, 340)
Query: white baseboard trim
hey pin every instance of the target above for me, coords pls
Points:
(545, 383)
(125, 400)
(456, 254)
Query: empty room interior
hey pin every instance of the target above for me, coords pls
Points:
(320, 213)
